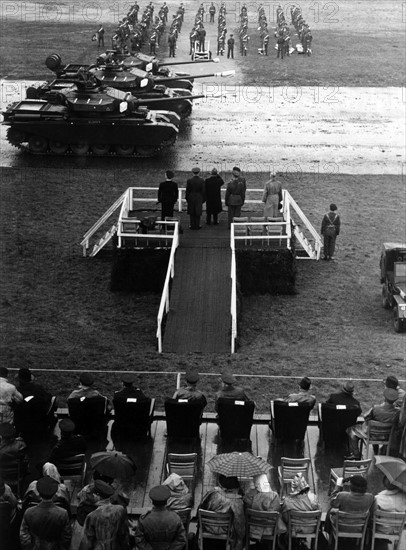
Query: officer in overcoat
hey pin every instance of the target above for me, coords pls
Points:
(195, 198)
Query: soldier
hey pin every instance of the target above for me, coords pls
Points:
(152, 44)
(69, 444)
(165, 10)
(190, 392)
(244, 43)
(160, 528)
(100, 36)
(230, 47)
(265, 42)
(201, 35)
(281, 44)
(212, 12)
(172, 44)
(221, 41)
(193, 39)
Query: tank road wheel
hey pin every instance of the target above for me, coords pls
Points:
(100, 149)
(79, 149)
(146, 150)
(124, 150)
(58, 147)
(187, 111)
(37, 144)
(398, 324)
(385, 299)
(15, 137)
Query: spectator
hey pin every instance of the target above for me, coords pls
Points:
(263, 498)
(235, 194)
(46, 525)
(107, 526)
(129, 390)
(159, 527)
(61, 497)
(393, 383)
(195, 198)
(12, 448)
(303, 395)
(91, 496)
(391, 499)
(225, 498)
(229, 389)
(7, 495)
(69, 443)
(168, 194)
(9, 395)
(300, 499)
(213, 186)
(382, 413)
(344, 396)
(330, 229)
(190, 391)
(180, 497)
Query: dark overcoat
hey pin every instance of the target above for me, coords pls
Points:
(195, 195)
(213, 193)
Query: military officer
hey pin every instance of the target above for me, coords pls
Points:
(190, 391)
(160, 528)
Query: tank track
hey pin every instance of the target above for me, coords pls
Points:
(69, 153)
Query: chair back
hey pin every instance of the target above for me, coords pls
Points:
(89, 414)
(356, 467)
(289, 420)
(183, 418)
(214, 525)
(133, 415)
(13, 473)
(182, 464)
(289, 468)
(349, 525)
(378, 433)
(235, 418)
(73, 471)
(389, 526)
(261, 525)
(240, 230)
(30, 417)
(334, 420)
(303, 525)
(256, 230)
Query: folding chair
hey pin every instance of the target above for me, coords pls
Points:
(13, 473)
(274, 228)
(378, 433)
(241, 230)
(348, 526)
(214, 526)
(333, 420)
(256, 230)
(185, 465)
(289, 468)
(388, 526)
(131, 227)
(73, 471)
(261, 526)
(185, 515)
(303, 525)
(170, 228)
(350, 468)
(289, 420)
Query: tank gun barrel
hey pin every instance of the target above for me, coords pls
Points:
(224, 74)
(169, 63)
(146, 101)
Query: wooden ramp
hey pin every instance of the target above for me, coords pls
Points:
(199, 318)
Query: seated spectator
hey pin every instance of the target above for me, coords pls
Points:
(7, 495)
(263, 498)
(180, 497)
(69, 444)
(85, 389)
(107, 525)
(355, 500)
(46, 525)
(160, 528)
(89, 497)
(402, 430)
(391, 499)
(61, 497)
(190, 391)
(26, 385)
(385, 412)
(227, 497)
(392, 382)
(303, 395)
(12, 448)
(344, 396)
(300, 498)
(129, 390)
(9, 396)
(229, 389)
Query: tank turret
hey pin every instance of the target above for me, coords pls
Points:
(90, 120)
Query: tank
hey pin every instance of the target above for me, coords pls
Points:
(90, 121)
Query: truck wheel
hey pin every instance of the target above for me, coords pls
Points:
(398, 324)
(385, 301)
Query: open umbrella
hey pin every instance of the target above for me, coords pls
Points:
(113, 464)
(394, 469)
(238, 464)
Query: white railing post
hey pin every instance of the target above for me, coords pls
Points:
(180, 192)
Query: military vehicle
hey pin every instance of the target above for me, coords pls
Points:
(393, 279)
(90, 120)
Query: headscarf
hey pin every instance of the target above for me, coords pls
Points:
(262, 484)
(50, 470)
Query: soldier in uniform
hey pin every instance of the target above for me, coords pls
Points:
(212, 12)
(69, 444)
(100, 37)
(190, 391)
(160, 528)
(172, 44)
(230, 47)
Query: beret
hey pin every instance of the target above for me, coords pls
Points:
(7, 430)
(103, 489)
(348, 387)
(228, 378)
(390, 395)
(86, 379)
(128, 378)
(196, 170)
(192, 376)
(24, 375)
(160, 493)
(47, 487)
(67, 425)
